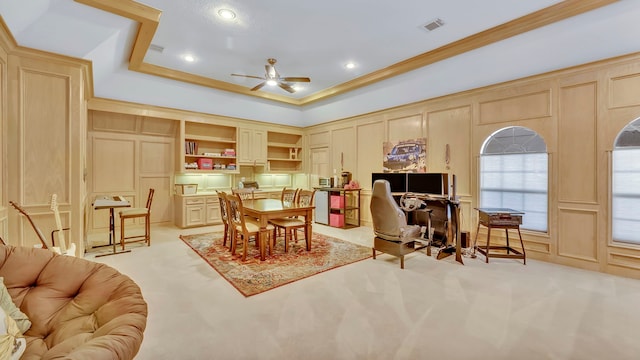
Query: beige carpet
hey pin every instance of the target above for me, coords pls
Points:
(371, 309)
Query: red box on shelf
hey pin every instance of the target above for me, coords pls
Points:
(205, 164)
(337, 202)
(336, 220)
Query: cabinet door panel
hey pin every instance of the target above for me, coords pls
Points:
(195, 215)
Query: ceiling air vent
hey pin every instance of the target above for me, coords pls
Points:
(157, 48)
(432, 25)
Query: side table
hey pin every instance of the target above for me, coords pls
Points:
(500, 218)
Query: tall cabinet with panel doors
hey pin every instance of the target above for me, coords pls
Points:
(44, 116)
(252, 147)
(208, 148)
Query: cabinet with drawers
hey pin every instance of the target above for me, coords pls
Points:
(197, 210)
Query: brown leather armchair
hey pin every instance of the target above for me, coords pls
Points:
(393, 235)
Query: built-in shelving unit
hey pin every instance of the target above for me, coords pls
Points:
(284, 152)
(208, 143)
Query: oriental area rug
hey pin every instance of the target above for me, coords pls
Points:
(253, 276)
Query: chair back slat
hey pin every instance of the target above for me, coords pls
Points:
(289, 195)
(150, 198)
(224, 212)
(244, 193)
(305, 197)
(236, 211)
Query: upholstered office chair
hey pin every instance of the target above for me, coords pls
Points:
(244, 227)
(292, 224)
(134, 213)
(393, 235)
(224, 214)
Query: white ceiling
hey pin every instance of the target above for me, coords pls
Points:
(316, 39)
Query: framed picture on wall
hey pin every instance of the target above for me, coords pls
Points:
(405, 156)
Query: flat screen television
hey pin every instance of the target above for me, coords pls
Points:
(428, 183)
(397, 181)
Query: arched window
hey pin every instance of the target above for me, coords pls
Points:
(513, 174)
(625, 189)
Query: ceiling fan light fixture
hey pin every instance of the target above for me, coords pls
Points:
(226, 14)
(272, 82)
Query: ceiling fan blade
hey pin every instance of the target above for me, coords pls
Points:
(296, 79)
(286, 87)
(248, 76)
(257, 87)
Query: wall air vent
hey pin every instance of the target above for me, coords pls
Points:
(432, 25)
(157, 48)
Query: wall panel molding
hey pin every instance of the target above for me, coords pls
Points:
(578, 234)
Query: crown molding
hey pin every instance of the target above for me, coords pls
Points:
(149, 18)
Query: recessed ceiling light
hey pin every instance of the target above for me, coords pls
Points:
(227, 14)
(272, 82)
(189, 58)
(350, 65)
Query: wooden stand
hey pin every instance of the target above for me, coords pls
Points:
(498, 218)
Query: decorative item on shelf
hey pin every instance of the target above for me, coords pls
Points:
(211, 154)
(205, 164)
(231, 166)
(293, 153)
(346, 178)
(190, 147)
(229, 152)
(186, 189)
(353, 184)
(191, 166)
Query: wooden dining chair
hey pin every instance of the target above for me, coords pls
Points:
(292, 224)
(224, 214)
(244, 193)
(290, 196)
(244, 227)
(134, 213)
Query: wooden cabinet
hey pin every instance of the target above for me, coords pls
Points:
(196, 210)
(284, 152)
(212, 210)
(208, 148)
(44, 117)
(252, 147)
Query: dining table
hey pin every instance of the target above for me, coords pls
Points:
(265, 209)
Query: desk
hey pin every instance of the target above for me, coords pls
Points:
(500, 218)
(265, 209)
(111, 202)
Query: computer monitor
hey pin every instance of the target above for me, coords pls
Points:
(397, 181)
(428, 183)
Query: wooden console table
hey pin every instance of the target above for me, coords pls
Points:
(500, 218)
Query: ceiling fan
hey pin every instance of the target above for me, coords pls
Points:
(272, 77)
